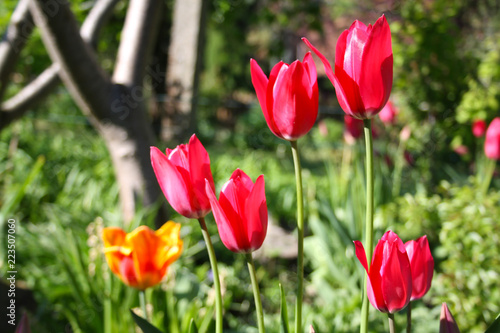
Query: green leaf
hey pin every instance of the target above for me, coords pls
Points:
(495, 327)
(143, 324)
(192, 327)
(283, 312)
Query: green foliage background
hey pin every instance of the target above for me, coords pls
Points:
(56, 177)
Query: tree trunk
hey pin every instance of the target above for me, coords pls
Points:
(184, 63)
(115, 107)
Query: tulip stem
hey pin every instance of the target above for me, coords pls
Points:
(392, 325)
(256, 292)
(369, 218)
(215, 271)
(300, 232)
(408, 319)
(488, 175)
(142, 301)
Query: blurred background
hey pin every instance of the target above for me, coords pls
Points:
(78, 114)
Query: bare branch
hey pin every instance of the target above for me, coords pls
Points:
(29, 96)
(97, 17)
(80, 70)
(38, 89)
(140, 28)
(13, 41)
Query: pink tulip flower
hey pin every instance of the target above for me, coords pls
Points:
(478, 128)
(447, 323)
(388, 113)
(289, 99)
(422, 266)
(492, 141)
(363, 68)
(240, 212)
(181, 173)
(389, 283)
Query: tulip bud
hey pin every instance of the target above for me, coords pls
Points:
(363, 68)
(478, 128)
(181, 173)
(141, 258)
(388, 113)
(447, 323)
(389, 283)
(240, 212)
(289, 99)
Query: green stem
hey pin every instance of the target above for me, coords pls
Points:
(256, 292)
(215, 271)
(142, 300)
(392, 325)
(489, 171)
(108, 307)
(300, 229)
(408, 319)
(369, 217)
(398, 169)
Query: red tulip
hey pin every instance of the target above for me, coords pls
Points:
(363, 68)
(353, 129)
(389, 281)
(492, 141)
(289, 99)
(422, 266)
(447, 323)
(240, 212)
(478, 128)
(181, 174)
(388, 113)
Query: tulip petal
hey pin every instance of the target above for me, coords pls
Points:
(233, 203)
(346, 88)
(172, 183)
(374, 282)
(245, 183)
(268, 99)
(259, 81)
(326, 64)
(376, 73)
(355, 42)
(396, 278)
(199, 170)
(361, 254)
(422, 266)
(492, 140)
(169, 233)
(127, 273)
(226, 232)
(147, 259)
(113, 236)
(256, 214)
(374, 295)
(310, 67)
(447, 323)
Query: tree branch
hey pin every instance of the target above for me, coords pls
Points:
(140, 28)
(80, 70)
(29, 96)
(38, 89)
(97, 17)
(13, 41)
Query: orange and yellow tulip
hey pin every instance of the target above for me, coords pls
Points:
(141, 258)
